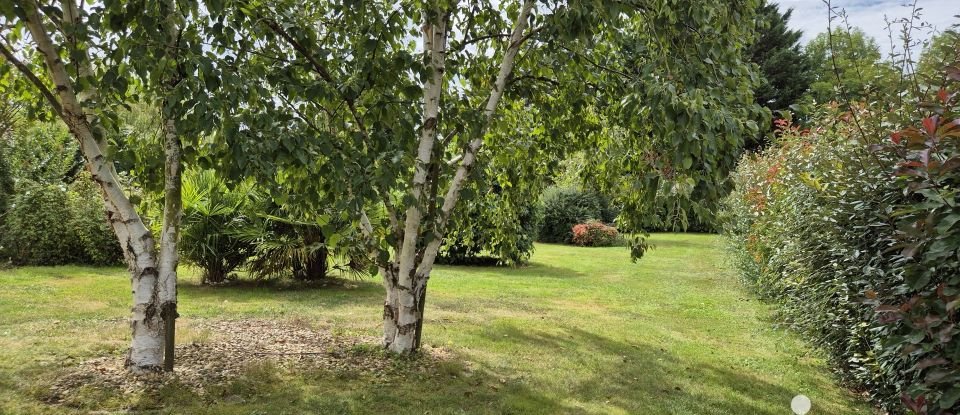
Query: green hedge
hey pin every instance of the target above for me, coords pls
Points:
(856, 244)
(55, 224)
(35, 230)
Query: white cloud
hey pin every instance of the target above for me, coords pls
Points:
(810, 16)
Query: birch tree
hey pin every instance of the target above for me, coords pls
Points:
(75, 59)
(384, 110)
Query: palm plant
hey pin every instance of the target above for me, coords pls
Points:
(213, 221)
(307, 248)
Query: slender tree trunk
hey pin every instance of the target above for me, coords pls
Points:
(407, 287)
(172, 197)
(406, 317)
(422, 301)
(139, 248)
(473, 148)
(169, 236)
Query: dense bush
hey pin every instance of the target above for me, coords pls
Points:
(55, 213)
(283, 246)
(922, 308)
(36, 230)
(88, 222)
(492, 230)
(595, 233)
(857, 245)
(564, 207)
(43, 153)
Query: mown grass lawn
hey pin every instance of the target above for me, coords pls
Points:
(580, 330)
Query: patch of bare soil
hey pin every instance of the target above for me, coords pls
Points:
(230, 347)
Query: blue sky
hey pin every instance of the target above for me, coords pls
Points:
(811, 16)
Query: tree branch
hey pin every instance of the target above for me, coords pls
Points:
(597, 65)
(470, 153)
(320, 69)
(462, 45)
(324, 74)
(32, 77)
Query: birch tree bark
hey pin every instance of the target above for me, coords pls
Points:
(153, 282)
(172, 198)
(402, 307)
(406, 288)
(169, 236)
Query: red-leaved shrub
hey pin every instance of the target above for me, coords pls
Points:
(595, 233)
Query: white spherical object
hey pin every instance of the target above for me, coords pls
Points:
(800, 404)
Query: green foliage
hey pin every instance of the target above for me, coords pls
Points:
(56, 206)
(43, 152)
(942, 51)
(9, 120)
(35, 230)
(307, 246)
(564, 207)
(6, 184)
(785, 69)
(502, 219)
(283, 246)
(225, 229)
(857, 245)
(89, 223)
(595, 233)
(783, 66)
(213, 216)
(847, 67)
(492, 225)
(799, 225)
(350, 109)
(921, 309)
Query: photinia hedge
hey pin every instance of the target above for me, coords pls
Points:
(858, 244)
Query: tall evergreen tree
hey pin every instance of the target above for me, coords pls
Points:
(785, 69)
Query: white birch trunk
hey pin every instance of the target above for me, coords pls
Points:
(402, 308)
(172, 204)
(470, 155)
(135, 239)
(169, 235)
(406, 288)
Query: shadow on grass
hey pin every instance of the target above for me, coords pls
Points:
(640, 378)
(334, 291)
(66, 271)
(531, 270)
(670, 241)
(410, 386)
(632, 378)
